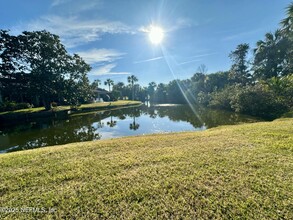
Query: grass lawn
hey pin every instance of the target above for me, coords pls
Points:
(24, 111)
(230, 172)
(40, 111)
(82, 107)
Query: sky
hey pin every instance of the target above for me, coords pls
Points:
(112, 35)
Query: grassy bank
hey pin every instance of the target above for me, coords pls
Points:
(40, 112)
(232, 172)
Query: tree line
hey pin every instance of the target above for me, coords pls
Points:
(260, 86)
(35, 68)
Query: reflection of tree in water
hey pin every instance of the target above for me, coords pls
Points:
(111, 123)
(134, 114)
(151, 111)
(85, 128)
(134, 126)
(202, 117)
(49, 133)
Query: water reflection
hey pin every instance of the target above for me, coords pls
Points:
(135, 113)
(110, 124)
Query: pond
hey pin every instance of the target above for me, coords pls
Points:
(112, 124)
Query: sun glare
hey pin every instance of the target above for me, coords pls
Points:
(156, 34)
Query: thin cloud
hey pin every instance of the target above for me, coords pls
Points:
(190, 61)
(241, 35)
(107, 70)
(94, 56)
(179, 23)
(70, 7)
(203, 55)
(194, 58)
(182, 23)
(58, 2)
(75, 31)
(148, 60)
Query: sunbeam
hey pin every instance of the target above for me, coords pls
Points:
(166, 56)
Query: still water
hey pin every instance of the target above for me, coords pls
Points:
(112, 124)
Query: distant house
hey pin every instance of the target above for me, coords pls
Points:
(102, 95)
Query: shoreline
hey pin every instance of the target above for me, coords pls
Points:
(62, 111)
(218, 173)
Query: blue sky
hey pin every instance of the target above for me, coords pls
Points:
(111, 34)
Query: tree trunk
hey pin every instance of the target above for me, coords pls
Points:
(37, 101)
(132, 91)
(46, 103)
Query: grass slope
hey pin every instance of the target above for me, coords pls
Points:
(231, 172)
(96, 105)
(61, 111)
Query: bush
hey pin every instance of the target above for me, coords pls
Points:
(222, 99)
(258, 100)
(53, 104)
(283, 88)
(203, 98)
(12, 106)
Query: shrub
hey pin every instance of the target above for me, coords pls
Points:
(203, 98)
(53, 104)
(258, 100)
(283, 88)
(12, 106)
(222, 99)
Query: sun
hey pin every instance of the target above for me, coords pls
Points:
(156, 34)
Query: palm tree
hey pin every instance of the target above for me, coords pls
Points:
(287, 23)
(131, 80)
(120, 88)
(151, 90)
(270, 54)
(95, 86)
(287, 31)
(96, 83)
(109, 82)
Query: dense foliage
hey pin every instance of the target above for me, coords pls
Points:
(36, 68)
(263, 87)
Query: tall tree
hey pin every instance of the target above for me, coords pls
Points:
(119, 88)
(131, 80)
(287, 23)
(95, 85)
(287, 31)
(270, 56)
(37, 64)
(75, 88)
(12, 75)
(110, 83)
(239, 72)
(151, 90)
(161, 93)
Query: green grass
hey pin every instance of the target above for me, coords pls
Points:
(82, 107)
(230, 172)
(24, 111)
(288, 114)
(109, 104)
(62, 111)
